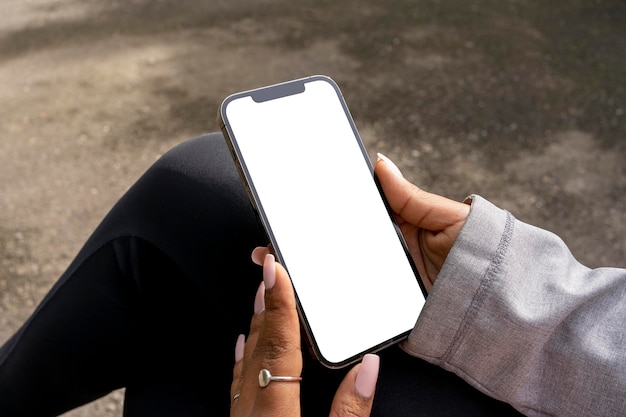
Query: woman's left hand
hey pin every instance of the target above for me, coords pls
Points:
(274, 345)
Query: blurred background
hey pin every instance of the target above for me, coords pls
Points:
(521, 101)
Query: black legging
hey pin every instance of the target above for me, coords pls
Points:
(155, 300)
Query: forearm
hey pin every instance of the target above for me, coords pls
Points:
(514, 314)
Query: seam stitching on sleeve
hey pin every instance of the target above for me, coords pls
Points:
(483, 289)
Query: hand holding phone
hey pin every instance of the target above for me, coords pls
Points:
(312, 184)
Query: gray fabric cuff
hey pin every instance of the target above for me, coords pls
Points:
(461, 284)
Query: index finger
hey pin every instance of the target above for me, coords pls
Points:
(280, 334)
(278, 346)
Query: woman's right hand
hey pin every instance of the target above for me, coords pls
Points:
(430, 223)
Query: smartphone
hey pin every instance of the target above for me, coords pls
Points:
(312, 184)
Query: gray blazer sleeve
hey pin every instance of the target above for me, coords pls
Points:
(515, 315)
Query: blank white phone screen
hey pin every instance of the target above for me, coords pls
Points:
(326, 218)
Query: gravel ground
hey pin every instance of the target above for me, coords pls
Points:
(520, 101)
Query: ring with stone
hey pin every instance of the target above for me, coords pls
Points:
(265, 377)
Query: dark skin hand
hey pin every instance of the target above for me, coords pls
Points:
(429, 223)
(274, 344)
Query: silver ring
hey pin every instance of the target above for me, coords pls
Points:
(235, 397)
(265, 377)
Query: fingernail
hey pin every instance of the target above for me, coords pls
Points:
(269, 271)
(390, 162)
(256, 255)
(241, 342)
(368, 375)
(259, 299)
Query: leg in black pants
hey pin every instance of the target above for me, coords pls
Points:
(156, 298)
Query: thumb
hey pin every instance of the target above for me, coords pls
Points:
(355, 395)
(414, 205)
